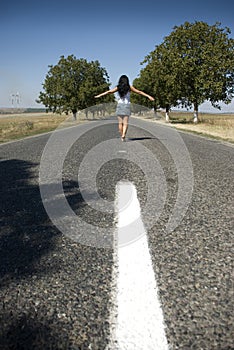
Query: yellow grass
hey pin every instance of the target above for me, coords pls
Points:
(220, 126)
(16, 126)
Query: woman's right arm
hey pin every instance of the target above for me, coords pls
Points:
(112, 91)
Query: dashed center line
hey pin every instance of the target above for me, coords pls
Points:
(139, 320)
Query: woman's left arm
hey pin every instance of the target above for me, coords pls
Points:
(139, 92)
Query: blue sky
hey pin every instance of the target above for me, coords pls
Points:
(119, 34)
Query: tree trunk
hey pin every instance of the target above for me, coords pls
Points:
(195, 114)
(167, 114)
(74, 111)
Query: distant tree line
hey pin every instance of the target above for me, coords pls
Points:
(195, 63)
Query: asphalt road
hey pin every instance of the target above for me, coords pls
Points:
(55, 291)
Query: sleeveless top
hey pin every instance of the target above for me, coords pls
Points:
(125, 99)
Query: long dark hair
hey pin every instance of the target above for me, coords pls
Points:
(123, 85)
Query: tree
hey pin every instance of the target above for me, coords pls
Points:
(157, 77)
(194, 63)
(141, 84)
(72, 84)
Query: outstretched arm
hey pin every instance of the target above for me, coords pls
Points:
(112, 91)
(139, 92)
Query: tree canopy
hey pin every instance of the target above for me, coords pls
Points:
(72, 84)
(193, 64)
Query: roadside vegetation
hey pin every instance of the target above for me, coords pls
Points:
(218, 126)
(194, 64)
(71, 85)
(17, 126)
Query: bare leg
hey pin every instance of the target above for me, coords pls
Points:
(125, 125)
(120, 125)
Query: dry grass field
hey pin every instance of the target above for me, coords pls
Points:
(16, 126)
(220, 126)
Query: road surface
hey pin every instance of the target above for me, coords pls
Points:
(57, 292)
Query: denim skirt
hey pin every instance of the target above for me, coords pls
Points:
(123, 109)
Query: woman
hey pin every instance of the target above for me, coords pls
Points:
(123, 110)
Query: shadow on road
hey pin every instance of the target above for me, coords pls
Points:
(26, 232)
(141, 138)
(47, 294)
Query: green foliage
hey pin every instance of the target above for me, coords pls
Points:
(72, 84)
(142, 84)
(193, 64)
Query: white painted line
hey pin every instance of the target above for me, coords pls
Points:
(139, 319)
